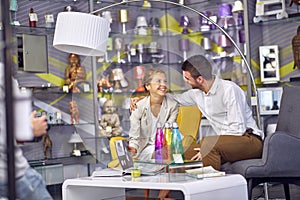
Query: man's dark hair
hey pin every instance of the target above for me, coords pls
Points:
(198, 65)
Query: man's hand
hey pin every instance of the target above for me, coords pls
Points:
(39, 124)
(132, 150)
(133, 102)
(198, 155)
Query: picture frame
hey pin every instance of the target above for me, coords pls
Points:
(269, 100)
(269, 64)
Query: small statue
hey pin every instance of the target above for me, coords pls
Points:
(296, 49)
(104, 85)
(47, 146)
(110, 122)
(74, 112)
(75, 75)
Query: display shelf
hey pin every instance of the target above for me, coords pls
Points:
(291, 19)
(83, 159)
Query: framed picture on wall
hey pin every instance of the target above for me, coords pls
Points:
(269, 64)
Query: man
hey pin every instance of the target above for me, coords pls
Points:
(29, 183)
(234, 135)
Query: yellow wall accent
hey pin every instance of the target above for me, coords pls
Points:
(57, 64)
(51, 78)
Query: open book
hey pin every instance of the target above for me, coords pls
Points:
(127, 164)
(204, 172)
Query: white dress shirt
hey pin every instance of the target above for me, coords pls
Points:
(224, 106)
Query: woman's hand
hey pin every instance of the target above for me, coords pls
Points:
(132, 150)
(198, 155)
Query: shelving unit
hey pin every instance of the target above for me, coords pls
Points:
(168, 57)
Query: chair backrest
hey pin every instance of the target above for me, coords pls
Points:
(188, 120)
(114, 163)
(289, 111)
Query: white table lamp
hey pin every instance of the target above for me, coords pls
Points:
(74, 139)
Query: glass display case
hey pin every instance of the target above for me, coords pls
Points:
(142, 37)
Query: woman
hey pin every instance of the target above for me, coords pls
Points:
(151, 110)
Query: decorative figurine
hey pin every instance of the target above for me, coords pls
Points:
(74, 112)
(76, 75)
(104, 85)
(296, 49)
(47, 146)
(109, 121)
(32, 18)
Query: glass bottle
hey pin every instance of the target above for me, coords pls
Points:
(176, 146)
(159, 143)
(168, 140)
(32, 18)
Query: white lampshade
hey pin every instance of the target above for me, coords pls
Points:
(75, 138)
(81, 33)
(238, 6)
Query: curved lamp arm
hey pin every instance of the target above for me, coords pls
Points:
(219, 27)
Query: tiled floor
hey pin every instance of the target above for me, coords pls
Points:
(275, 192)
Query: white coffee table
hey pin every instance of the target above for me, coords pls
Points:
(226, 187)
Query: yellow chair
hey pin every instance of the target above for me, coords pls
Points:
(114, 163)
(188, 120)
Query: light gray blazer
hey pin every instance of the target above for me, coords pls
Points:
(140, 133)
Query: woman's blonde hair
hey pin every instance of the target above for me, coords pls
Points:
(149, 75)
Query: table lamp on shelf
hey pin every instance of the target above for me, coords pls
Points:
(119, 46)
(226, 16)
(184, 46)
(146, 4)
(184, 23)
(140, 49)
(123, 19)
(139, 73)
(74, 139)
(237, 7)
(141, 25)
